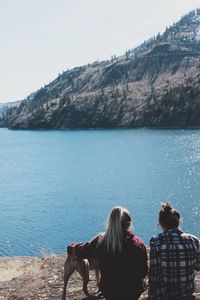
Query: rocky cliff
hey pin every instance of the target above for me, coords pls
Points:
(156, 84)
(29, 278)
(4, 107)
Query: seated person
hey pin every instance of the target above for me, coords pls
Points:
(122, 257)
(174, 256)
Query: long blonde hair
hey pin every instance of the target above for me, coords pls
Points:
(119, 220)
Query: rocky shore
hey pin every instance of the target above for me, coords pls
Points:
(25, 278)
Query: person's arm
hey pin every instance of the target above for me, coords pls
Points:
(197, 266)
(142, 261)
(154, 271)
(84, 250)
(141, 257)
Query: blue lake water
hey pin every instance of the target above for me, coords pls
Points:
(59, 186)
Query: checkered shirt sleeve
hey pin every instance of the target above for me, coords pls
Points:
(155, 279)
(197, 267)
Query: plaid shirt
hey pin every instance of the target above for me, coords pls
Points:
(174, 256)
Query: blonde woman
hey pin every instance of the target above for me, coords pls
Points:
(122, 257)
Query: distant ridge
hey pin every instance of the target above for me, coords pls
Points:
(157, 84)
(4, 107)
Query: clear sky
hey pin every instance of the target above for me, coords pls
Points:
(41, 38)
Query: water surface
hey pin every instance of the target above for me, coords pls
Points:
(58, 186)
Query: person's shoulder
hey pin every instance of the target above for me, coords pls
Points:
(98, 237)
(136, 239)
(156, 239)
(190, 237)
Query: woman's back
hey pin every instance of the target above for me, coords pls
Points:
(174, 256)
(122, 257)
(123, 272)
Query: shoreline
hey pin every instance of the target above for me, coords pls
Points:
(27, 277)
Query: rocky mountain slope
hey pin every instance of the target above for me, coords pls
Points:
(29, 278)
(156, 84)
(4, 107)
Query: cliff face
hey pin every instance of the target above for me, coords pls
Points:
(156, 85)
(31, 278)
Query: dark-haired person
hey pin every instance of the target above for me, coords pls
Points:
(122, 257)
(174, 256)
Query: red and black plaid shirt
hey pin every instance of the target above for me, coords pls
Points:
(174, 256)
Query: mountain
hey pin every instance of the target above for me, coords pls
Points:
(156, 84)
(4, 107)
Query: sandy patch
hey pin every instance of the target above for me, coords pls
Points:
(16, 266)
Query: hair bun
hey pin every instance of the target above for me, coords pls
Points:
(166, 207)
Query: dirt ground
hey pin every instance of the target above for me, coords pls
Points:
(25, 278)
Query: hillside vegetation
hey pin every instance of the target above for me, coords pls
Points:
(156, 84)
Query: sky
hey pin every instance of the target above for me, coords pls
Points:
(42, 38)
